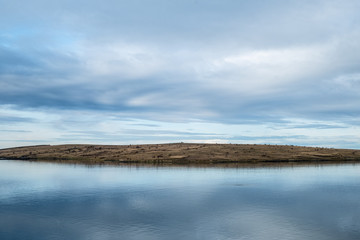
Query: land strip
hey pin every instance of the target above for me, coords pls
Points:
(181, 153)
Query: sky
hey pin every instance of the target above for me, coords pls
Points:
(159, 71)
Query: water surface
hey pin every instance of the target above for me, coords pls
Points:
(60, 201)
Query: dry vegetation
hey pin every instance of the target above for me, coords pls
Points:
(181, 153)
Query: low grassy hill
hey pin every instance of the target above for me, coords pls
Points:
(181, 153)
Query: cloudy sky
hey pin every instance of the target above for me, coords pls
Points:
(156, 71)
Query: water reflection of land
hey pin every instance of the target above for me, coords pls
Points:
(200, 165)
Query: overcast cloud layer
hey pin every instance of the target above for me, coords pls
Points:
(120, 72)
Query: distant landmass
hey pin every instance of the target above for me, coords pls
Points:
(181, 153)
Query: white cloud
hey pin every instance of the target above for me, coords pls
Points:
(351, 82)
(265, 71)
(218, 63)
(119, 59)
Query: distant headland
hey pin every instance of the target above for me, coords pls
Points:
(181, 153)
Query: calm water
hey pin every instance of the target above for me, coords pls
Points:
(57, 201)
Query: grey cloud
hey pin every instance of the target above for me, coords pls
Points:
(16, 62)
(194, 22)
(168, 132)
(268, 137)
(13, 119)
(316, 126)
(14, 131)
(138, 134)
(231, 62)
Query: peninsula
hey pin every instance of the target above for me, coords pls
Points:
(181, 153)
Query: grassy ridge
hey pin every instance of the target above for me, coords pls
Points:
(180, 153)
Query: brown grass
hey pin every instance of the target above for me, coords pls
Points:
(182, 153)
